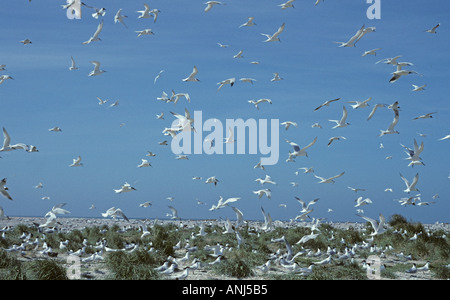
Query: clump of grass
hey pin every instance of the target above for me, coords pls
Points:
(441, 272)
(234, 267)
(138, 265)
(342, 271)
(46, 270)
(10, 267)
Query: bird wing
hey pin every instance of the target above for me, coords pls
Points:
(373, 222)
(337, 176)
(296, 147)
(279, 31)
(344, 115)
(5, 193)
(415, 180)
(7, 138)
(356, 36)
(310, 144)
(99, 29)
(394, 122)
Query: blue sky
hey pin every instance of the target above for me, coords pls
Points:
(45, 93)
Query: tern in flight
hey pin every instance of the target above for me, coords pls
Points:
(126, 187)
(210, 4)
(410, 186)
(249, 22)
(3, 189)
(342, 122)
(328, 180)
(114, 213)
(274, 37)
(378, 227)
(96, 70)
(191, 77)
(300, 151)
(119, 18)
(76, 162)
(352, 41)
(371, 52)
(73, 66)
(391, 127)
(7, 146)
(433, 30)
(417, 88)
(425, 116)
(326, 103)
(95, 37)
(360, 104)
(145, 14)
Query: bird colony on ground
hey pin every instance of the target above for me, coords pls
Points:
(299, 149)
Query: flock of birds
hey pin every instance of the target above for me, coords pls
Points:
(185, 121)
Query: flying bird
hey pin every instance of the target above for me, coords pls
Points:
(371, 52)
(410, 186)
(263, 192)
(326, 103)
(328, 180)
(210, 4)
(119, 18)
(126, 187)
(274, 37)
(191, 77)
(342, 122)
(8, 147)
(425, 116)
(96, 70)
(378, 227)
(73, 66)
(95, 37)
(300, 151)
(433, 30)
(145, 14)
(76, 162)
(249, 22)
(4, 189)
